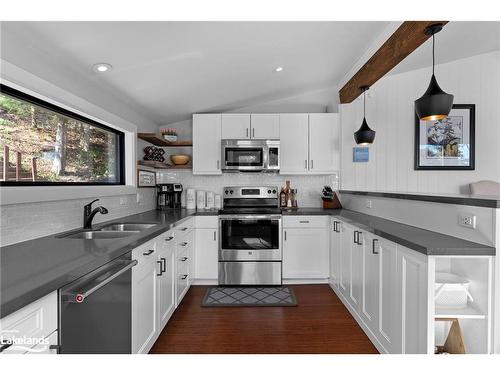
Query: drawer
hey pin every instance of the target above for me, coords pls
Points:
(185, 241)
(300, 221)
(146, 253)
(182, 258)
(183, 227)
(37, 320)
(208, 222)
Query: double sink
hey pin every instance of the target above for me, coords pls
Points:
(110, 231)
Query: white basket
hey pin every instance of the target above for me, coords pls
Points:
(452, 291)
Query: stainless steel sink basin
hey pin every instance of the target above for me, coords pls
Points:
(121, 227)
(100, 234)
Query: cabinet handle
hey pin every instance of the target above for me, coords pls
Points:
(373, 246)
(305, 163)
(183, 244)
(149, 252)
(215, 235)
(5, 346)
(247, 132)
(253, 132)
(164, 262)
(184, 277)
(183, 229)
(161, 268)
(183, 259)
(312, 164)
(358, 239)
(354, 239)
(285, 235)
(169, 238)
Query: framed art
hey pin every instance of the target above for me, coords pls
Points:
(447, 144)
(146, 178)
(360, 154)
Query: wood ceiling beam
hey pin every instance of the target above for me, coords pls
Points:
(406, 39)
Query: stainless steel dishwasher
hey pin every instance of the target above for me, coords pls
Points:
(95, 314)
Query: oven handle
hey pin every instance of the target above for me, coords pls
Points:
(79, 297)
(249, 217)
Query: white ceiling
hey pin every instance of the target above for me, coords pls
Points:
(166, 71)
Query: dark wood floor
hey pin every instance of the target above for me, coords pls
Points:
(319, 324)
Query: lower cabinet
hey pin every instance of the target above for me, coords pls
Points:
(383, 285)
(165, 279)
(206, 254)
(305, 253)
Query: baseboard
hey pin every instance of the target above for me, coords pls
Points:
(360, 322)
(212, 282)
(305, 281)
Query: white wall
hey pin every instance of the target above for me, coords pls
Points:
(390, 112)
(308, 187)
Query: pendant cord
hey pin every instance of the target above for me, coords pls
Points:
(433, 42)
(364, 104)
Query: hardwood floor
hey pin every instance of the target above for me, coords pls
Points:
(319, 324)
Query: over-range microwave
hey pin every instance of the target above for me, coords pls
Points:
(253, 155)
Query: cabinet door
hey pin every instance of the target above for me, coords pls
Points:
(371, 275)
(206, 254)
(165, 284)
(335, 259)
(144, 310)
(324, 147)
(305, 253)
(294, 157)
(235, 126)
(389, 327)
(346, 236)
(356, 292)
(207, 144)
(265, 126)
(413, 281)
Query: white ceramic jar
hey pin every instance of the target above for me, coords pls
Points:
(201, 200)
(190, 199)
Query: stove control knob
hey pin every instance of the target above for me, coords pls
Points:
(227, 191)
(274, 191)
(269, 192)
(231, 192)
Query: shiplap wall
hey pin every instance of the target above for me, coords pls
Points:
(390, 112)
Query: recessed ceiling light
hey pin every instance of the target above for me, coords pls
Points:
(278, 69)
(101, 67)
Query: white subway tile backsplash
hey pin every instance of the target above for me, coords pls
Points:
(22, 222)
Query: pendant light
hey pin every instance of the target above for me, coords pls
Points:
(364, 136)
(435, 104)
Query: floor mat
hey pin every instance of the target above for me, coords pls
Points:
(249, 296)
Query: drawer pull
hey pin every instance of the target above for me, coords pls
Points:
(183, 243)
(184, 259)
(184, 277)
(183, 229)
(169, 238)
(149, 252)
(5, 346)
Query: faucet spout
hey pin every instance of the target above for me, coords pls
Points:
(88, 214)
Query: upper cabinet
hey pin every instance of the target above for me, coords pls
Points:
(235, 125)
(254, 126)
(207, 144)
(265, 126)
(309, 143)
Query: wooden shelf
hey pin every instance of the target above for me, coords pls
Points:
(161, 165)
(468, 312)
(157, 140)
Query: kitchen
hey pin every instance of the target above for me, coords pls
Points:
(248, 207)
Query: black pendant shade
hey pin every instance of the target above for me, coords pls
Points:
(435, 104)
(364, 136)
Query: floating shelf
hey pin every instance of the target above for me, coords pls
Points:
(157, 140)
(468, 312)
(161, 165)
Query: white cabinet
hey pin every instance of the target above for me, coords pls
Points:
(346, 233)
(370, 282)
(207, 144)
(144, 298)
(206, 254)
(265, 126)
(294, 146)
(35, 321)
(236, 126)
(335, 259)
(165, 278)
(324, 146)
(183, 263)
(309, 143)
(305, 251)
(356, 273)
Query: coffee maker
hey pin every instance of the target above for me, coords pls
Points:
(168, 196)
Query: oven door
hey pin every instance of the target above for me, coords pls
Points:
(250, 238)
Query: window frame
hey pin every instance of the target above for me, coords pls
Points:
(54, 108)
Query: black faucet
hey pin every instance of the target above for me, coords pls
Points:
(88, 214)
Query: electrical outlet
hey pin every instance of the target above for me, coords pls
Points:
(467, 220)
(368, 204)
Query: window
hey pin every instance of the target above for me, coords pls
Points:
(42, 144)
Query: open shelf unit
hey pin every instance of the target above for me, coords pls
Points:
(161, 165)
(157, 140)
(469, 312)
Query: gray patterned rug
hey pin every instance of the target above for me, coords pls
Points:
(249, 296)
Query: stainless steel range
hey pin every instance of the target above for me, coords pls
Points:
(250, 236)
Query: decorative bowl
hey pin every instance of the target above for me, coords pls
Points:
(170, 138)
(180, 159)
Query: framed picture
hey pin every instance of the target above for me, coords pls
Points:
(146, 178)
(446, 144)
(360, 154)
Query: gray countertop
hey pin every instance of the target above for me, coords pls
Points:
(31, 269)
